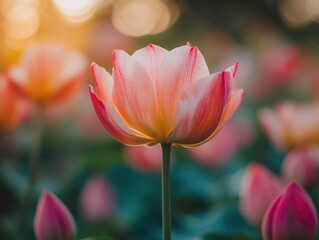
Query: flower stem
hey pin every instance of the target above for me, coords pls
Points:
(26, 202)
(166, 198)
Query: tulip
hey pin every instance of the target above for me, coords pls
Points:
(259, 188)
(291, 125)
(159, 96)
(301, 165)
(290, 216)
(48, 73)
(97, 199)
(144, 159)
(13, 109)
(167, 97)
(53, 220)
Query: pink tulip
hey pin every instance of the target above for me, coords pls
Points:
(97, 200)
(13, 109)
(159, 96)
(48, 73)
(290, 216)
(259, 188)
(53, 221)
(145, 159)
(301, 165)
(291, 125)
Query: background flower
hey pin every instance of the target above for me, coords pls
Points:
(53, 220)
(48, 73)
(285, 219)
(13, 109)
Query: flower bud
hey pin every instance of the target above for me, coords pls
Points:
(258, 190)
(290, 216)
(97, 201)
(301, 165)
(53, 221)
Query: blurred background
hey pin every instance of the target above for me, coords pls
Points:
(113, 190)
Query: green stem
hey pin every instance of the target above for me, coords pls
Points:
(166, 198)
(26, 203)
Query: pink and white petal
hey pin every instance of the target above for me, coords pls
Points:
(200, 109)
(133, 93)
(233, 69)
(104, 83)
(233, 104)
(151, 58)
(114, 124)
(181, 67)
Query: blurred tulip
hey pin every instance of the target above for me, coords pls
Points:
(53, 220)
(279, 61)
(48, 73)
(13, 109)
(97, 200)
(290, 216)
(259, 188)
(145, 159)
(159, 96)
(301, 165)
(224, 145)
(291, 125)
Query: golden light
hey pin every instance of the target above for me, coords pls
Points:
(294, 13)
(76, 11)
(163, 21)
(7, 5)
(312, 7)
(22, 21)
(141, 17)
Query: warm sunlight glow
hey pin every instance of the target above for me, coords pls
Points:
(141, 17)
(294, 13)
(312, 7)
(76, 11)
(21, 22)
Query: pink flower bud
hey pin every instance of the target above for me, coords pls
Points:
(53, 221)
(301, 165)
(145, 159)
(97, 200)
(258, 190)
(291, 215)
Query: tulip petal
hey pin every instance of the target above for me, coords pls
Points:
(114, 124)
(231, 107)
(233, 69)
(133, 93)
(180, 69)
(103, 82)
(151, 58)
(267, 219)
(200, 108)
